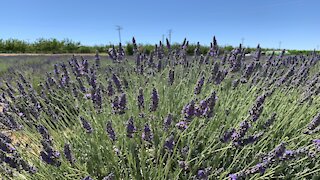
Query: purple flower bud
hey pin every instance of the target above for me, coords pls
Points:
(131, 129)
(110, 131)
(233, 176)
(154, 100)
(86, 125)
(117, 82)
(44, 132)
(68, 153)
(49, 159)
(316, 143)
(199, 85)
(227, 135)
(110, 90)
(147, 133)
(182, 125)
(276, 153)
(6, 147)
(122, 103)
(169, 143)
(140, 99)
(202, 174)
(167, 121)
(87, 178)
(314, 123)
(243, 128)
(189, 110)
(183, 165)
(171, 76)
(260, 167)
(5, 138)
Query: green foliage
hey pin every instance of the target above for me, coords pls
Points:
(54, 46)
(129, 49)
(133, 158)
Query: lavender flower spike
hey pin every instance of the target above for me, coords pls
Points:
(110, 131)
(86, 125)
(140, 99)
(131, 129)
(169, 143)
(154, 100)
(147, 133)
(68, 153)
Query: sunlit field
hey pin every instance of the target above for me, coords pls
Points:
(163, 115)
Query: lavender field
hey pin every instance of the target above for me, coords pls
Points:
(165, 115)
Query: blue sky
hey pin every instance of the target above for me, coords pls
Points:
(296, 23)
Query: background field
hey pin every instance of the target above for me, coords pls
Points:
(199, 150)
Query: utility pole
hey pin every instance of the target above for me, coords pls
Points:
(317, 47)
(169, 33)
(162, 38)
(119, 28)
(242, 42)
(280, 45)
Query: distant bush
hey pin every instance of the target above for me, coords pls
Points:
(129, 49)
(55, 46)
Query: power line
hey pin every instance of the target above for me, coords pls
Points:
(280, 45)
(169, 33)
(119, 28)
(162, 38)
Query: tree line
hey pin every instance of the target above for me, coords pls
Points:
(54, 46)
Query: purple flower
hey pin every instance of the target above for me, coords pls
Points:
(49, 159)
(122, 103)
(87, 178)
(5, 138)
(260, 167)
(182, 125)
(169, 143)
(167, 121)
(56, 70)
(115, 104)
(171, 76)
(276, 153)
(82, 88)
(140, 99)
(86, 125)
(183, 165)
(68, 153)
(227, 135)
(110, 90)
(199, 85)
(233, 176)
(314, 123)
(147, 133)
(168, 44)
(202, 174)
(117, 82)
(44, 132)
(154, 100)
(131, 129)
(243, 128)
(6, 147)
(110, 131)
(316, 143)
(189, 110)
